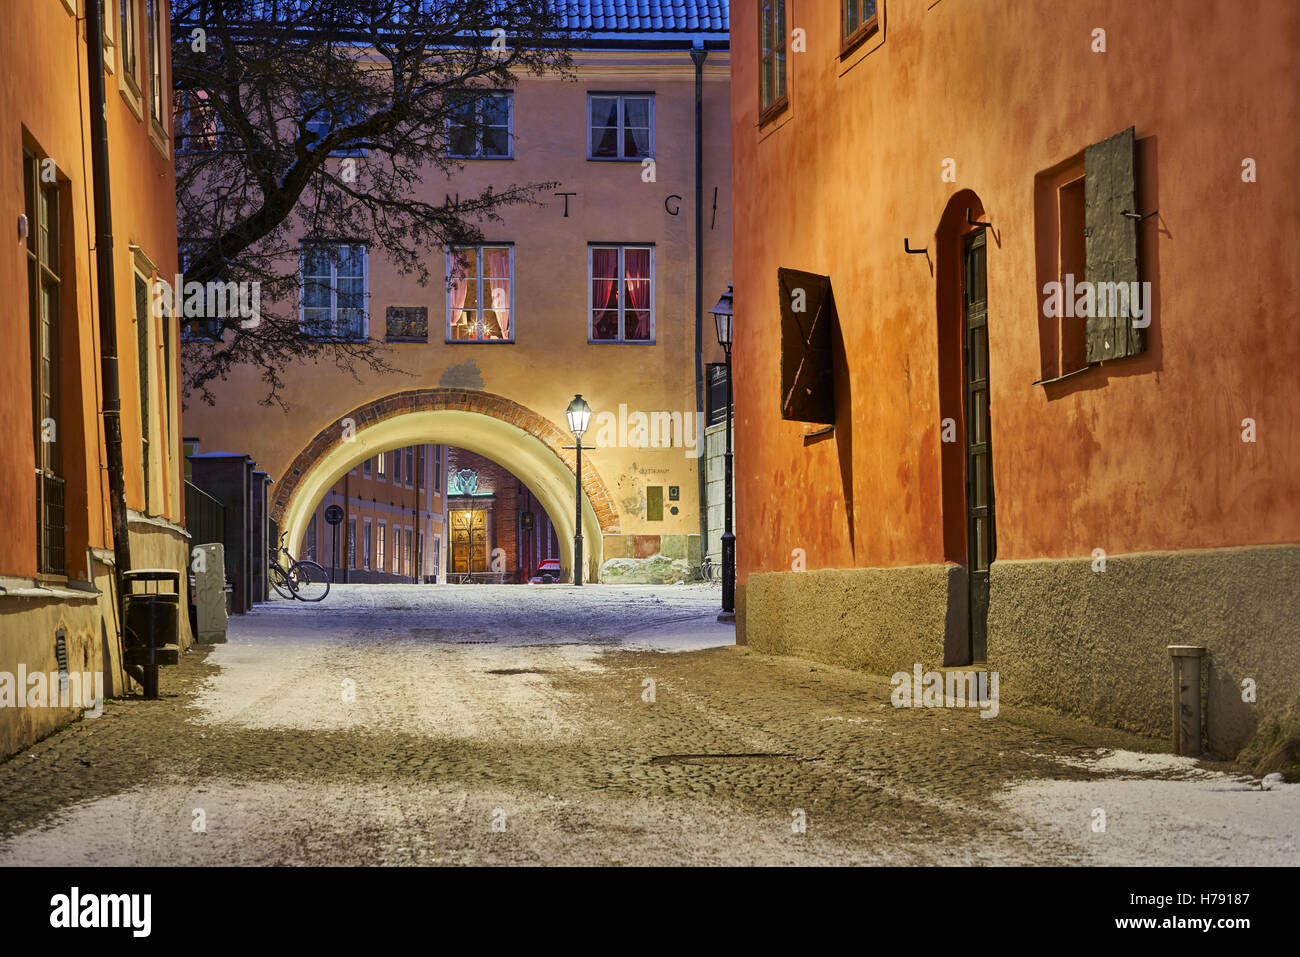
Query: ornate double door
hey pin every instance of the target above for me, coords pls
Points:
(469, 541)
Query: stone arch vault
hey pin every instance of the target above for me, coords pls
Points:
(528, 444)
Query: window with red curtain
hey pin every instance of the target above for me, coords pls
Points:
(480, 294)
(622, 294)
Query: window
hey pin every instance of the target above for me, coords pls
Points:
(189, 446)
(334, 281)
(309, 540)
(380, 536)
(480, 294)
(322, 118)
(406, 554)
(772, 98)
(437, 468)
(145, 369)
(352, 543)
(198, 124)
(621, 293)
(365, 553)
(130, 59)
(857, 22)
(44, 289)
(367, 468)
(156, 35)
(397, 466)
(410, 466)
(381, 467)
(437, 553)
(1093, 304)
(194, 328)
(165, 327)
(480, 126)
(620, 126)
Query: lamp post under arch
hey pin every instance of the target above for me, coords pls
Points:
(579, 415)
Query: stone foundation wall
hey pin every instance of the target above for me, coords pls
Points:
(874, 619)
(1062, 636)
(1093, 644)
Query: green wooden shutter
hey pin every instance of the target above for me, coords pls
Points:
(1110, 241)
(807, 377)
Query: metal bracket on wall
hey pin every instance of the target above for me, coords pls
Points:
(976, 222)
(825, 431)
(907, 248)
(1133, 214)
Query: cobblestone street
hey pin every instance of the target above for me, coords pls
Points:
(498, 724)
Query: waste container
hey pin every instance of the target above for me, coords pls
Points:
(152, 621)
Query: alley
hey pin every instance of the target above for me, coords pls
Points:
(607, 725)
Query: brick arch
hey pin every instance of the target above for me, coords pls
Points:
(458, 400)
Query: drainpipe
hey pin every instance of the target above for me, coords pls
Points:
(698, 54)
(110, 398)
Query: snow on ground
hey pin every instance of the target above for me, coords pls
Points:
(351, 823)
(1186, 816)
(416, 656)
(462, 701)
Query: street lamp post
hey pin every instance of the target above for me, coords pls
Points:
(722, 318)
(578, 414)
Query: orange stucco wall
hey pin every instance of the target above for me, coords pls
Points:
(44, 105)
(1142, 453)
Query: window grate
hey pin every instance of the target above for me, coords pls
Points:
(50, 517)
(61, 656)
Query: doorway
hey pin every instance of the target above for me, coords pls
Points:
(469, 540)
(981, 536)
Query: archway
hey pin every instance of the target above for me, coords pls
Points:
(529, 445)
(966, 464)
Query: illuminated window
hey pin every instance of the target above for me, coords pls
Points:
(620, 294)
(480, 294)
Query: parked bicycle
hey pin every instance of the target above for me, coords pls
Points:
(299, 578)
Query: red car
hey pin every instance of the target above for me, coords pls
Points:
(548, 572)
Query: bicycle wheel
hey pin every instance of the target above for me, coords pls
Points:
(280, 581)
(311, 581)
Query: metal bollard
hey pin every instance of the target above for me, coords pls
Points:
(1187, 698)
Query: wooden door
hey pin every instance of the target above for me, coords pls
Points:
(981, 538)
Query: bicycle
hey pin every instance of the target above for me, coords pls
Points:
(303, 579)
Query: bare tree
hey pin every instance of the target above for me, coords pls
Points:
(329, 120)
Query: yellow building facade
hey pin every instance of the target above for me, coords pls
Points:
(591, 292)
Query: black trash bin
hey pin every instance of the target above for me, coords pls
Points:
(152, 621)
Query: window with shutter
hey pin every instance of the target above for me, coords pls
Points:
(807, 377)
(1110, 240)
